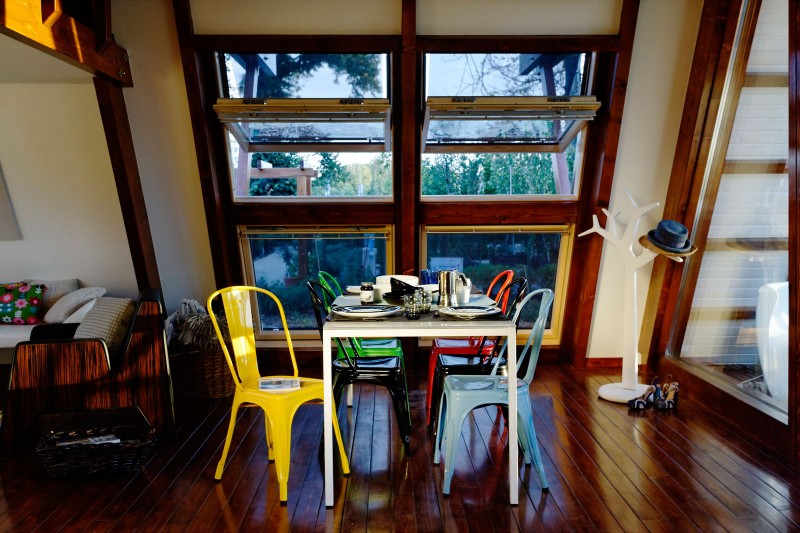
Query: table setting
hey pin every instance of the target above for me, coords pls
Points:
(401, 296)
(401, 306)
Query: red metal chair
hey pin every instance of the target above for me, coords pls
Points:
(469, 345)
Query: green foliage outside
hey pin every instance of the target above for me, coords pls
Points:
(359, 258)
(492, 174)
(351, 260)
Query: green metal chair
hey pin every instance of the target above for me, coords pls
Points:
(357, 366)
(364, 345)
(380, 347)
(463, 393)
(329, 282)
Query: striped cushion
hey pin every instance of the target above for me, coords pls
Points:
(108, 319)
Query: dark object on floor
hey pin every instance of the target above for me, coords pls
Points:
(68, 446)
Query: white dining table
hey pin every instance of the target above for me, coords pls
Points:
(428, 325)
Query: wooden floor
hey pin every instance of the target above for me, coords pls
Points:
(609, 470)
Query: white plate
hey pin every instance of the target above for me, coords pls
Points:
(366, 311)
(353, 289)
(469, 311)
(386, 279)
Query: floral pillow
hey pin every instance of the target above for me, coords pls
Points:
(21, 303)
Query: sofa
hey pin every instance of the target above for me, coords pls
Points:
(57, 371)
(62, 301)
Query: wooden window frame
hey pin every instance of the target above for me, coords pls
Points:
(666, 313)
(407, 213)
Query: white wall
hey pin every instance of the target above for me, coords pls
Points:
(58, 173)
(303, 17)
(662, 58)
(158, 111)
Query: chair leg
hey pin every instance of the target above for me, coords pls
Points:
(401, 410)
(227, 446)
(337, 387)
(452, 437)
(524, 443)
(338, 434)
(437, 445)
(270, 438)
(350, 395)
(526, 422)
(282, 441)
(429, 394)
(436, 396)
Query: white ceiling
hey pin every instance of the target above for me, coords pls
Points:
(21, 63)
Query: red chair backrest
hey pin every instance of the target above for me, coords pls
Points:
(503, 279)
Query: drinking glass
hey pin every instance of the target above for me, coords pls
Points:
(413, 306)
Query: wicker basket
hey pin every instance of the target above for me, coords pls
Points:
(200, 373)
(63, 455)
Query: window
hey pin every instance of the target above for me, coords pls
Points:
(317, 142)
(539, 253)
(281, 260)
(505, 125)
(306, 126)
(736, 333)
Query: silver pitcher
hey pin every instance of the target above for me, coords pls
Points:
(447, 288)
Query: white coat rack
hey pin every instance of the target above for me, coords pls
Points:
(622, 236)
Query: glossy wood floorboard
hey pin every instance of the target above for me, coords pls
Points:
(609, 469)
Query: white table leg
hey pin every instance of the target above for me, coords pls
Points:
(327, 417)
(513, 447)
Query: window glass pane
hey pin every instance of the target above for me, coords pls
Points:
(282, 262)
(299, 132)
(338, 174)
(302, 154)
(737, 333)
(305, 75)
(479, 131)
(481, 255)
(506, 74)
(510, 173)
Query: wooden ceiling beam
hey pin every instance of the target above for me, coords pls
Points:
(45, 26)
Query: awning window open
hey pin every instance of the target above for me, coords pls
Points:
(489, 123)
(307, 124)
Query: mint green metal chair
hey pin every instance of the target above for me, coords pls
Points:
(464, 393)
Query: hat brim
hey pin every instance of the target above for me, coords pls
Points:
(648, 243)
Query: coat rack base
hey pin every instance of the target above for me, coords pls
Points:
(617, 392)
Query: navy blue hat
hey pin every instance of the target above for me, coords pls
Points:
(669, 236)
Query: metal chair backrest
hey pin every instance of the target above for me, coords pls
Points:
(513, 291)
(501, 281)
(330, 283)
(319, 293)
(534, 342)
(239, 307)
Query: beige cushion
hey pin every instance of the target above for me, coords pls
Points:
(77, 316)
(56, 289)
(70, 303)
(108, 319)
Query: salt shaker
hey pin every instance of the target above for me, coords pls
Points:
(366, 293)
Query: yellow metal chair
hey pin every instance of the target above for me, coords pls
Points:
(279, 407)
